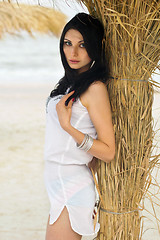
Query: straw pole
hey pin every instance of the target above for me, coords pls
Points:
(132, 30)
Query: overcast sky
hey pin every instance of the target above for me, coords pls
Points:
(69, 7)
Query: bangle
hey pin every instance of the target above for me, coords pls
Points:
(89, 144)
(86, 143)
(84, 139)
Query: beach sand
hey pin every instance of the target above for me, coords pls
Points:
(24, 205)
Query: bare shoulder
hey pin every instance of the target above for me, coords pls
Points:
(96, 94)
(97, 87)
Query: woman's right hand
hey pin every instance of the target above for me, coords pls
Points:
(64, 112)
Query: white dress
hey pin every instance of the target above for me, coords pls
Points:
(68, 180)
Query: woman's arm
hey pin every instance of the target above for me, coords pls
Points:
(96, 101)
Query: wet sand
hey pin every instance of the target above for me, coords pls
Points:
(24, 205)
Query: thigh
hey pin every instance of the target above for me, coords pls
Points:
(61, 229)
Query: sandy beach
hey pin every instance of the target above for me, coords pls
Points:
(24, 205)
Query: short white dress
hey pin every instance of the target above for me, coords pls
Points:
(68, 180)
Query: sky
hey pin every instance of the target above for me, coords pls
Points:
(69, 7)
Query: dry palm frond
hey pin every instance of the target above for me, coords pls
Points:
(16, 17)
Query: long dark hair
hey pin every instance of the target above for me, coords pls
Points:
(92, 32)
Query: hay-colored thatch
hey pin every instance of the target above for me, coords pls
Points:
(132, 35)
(17, 17)
(132, 44)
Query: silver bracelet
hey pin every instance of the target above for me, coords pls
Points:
(84, 139)
(86, 143)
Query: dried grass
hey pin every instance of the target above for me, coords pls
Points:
(17, 17)
(132, 35)
(132, 45)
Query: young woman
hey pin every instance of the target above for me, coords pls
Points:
(79, 126)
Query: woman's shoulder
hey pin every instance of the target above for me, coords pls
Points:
(97, 87)
(95, 90)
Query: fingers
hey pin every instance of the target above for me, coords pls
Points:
(65, 97)
(70, 103)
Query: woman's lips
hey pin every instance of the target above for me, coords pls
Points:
(74, 61)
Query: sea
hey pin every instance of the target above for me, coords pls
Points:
(32, 60)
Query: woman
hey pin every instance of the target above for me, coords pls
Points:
(79, 126)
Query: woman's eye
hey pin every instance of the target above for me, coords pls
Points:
(67, 43)
(82, 45)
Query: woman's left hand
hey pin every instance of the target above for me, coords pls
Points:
(93, 164)
(64, 112)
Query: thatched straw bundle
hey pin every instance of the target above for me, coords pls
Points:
(132, 35)
(16, 17)
(132, 43)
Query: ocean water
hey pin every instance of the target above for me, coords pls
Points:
(30, 60)
(26, 59)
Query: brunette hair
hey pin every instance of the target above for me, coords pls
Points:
(92, 32)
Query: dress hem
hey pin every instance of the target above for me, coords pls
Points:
(82, 234)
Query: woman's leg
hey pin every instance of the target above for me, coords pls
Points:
(61, 229)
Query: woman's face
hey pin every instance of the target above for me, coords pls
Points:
(75, 51)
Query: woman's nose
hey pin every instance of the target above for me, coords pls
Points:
(74, 51)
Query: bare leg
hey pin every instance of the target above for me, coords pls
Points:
(61, 229)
